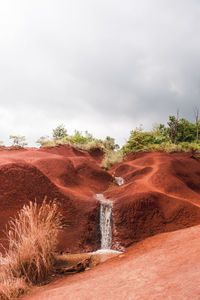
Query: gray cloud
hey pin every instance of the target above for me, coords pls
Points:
(102, 66)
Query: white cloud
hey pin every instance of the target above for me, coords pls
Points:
(102, 66)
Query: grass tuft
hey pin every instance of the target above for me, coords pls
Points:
(30, 258)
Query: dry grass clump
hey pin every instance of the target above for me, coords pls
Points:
(11, 287)
(192, 148)
(30, 258)
(111, 158)
(59, 142)
(80, 146)
(95, 144)
(90, 145)
(164, 147)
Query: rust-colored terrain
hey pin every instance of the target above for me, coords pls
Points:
(161, 193)
(71, 176)
(156, 217)
(165, 266)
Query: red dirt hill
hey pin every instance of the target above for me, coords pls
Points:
(161, 193)
(70, 175)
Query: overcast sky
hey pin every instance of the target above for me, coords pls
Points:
(105, 66)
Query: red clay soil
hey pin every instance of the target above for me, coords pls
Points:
(69, 175)
(161, 193)
(165, 266)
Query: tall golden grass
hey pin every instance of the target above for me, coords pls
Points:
(30, 257)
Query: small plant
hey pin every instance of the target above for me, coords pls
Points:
(59, 132)
(43, 140)
(32, 238)
(18, 140)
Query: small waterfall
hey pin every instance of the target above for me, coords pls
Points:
(119, 180)
(105, 221)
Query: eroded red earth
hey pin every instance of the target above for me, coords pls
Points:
(160, 198)
(72, 177)
(161, 193)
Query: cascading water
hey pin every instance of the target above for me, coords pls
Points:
(119, 180)
(105, 221)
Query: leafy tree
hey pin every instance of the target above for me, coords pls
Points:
(109, 143)
(162, 130)
(196, 114)
(59, 132)
(18, 140)
(173, 127)
(186, 131)
(180, 130)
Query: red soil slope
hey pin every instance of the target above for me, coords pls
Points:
(161, 193)
(165, 266)
(71, 176)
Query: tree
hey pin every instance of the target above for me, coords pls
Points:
(196, 114)
(18, 140)
(186, 131)
(173, 126)
(109, 143)
(59, 132)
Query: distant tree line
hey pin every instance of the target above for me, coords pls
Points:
(178, 135)
(60, 136)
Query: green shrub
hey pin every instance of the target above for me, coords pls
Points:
(141, 141)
